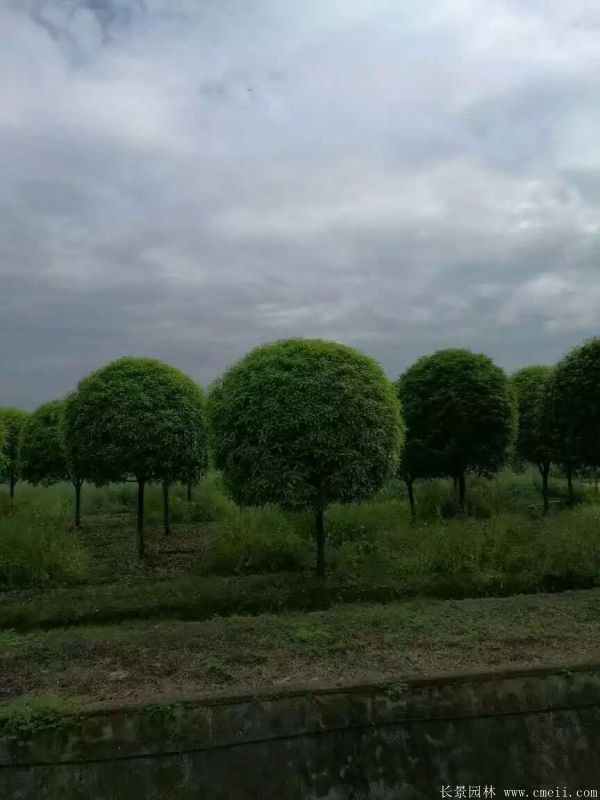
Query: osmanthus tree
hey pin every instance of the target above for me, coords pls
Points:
(12, 420)
(42, 453)
(304, 423)
(536, 439)
(139, 419)
(459, 414)
(576, 388)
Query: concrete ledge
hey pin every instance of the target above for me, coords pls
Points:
(211, 723)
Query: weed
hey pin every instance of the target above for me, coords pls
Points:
(27, 717)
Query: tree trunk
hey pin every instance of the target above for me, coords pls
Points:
(545, 471)
(12, 484)
(77, 485)
(411, 497)
(320, 536)
(140, 518)
(167, 515)
(189, 492)
(462, 493)
(570, 484)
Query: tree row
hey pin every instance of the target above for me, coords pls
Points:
(306, 423)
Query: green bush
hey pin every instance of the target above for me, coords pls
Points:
(365, 522)
(116, 498)
(559, 551)
(436, 499)
(37, 547)
(570, 543)
(255, 540)
(209, 503)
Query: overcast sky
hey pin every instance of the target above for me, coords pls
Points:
(185, 179)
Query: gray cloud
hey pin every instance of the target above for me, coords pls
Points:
(186, 180)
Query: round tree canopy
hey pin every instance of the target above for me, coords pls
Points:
(42, 451)
(459, 414)
(136, 417)
(577, 405)
(303, 423)
(536, 436)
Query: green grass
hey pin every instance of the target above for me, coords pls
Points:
(145, 661)
(37, 547)
(197, 597)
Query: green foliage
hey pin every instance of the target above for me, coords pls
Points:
(209, 504)
(116, 498)
(558, 551)
(536, 429)
(255, 540)
(577, 405)
(36, 547)
(23, 719)
(459, 415)
(139, 418)
(41, 451)
(11, 422)
(309, 639)
(304, 423)
(365, 522)
(436, 500)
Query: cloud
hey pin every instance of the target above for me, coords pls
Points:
(187, 180)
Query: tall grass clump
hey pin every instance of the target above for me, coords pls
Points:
(562, 550)
(209, 502)
(116, 498)
(37, 547)
(254, 540)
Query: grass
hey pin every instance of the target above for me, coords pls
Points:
(37, 547)
(197, 597)
(371, 544)
(228, 602)
(145, 661)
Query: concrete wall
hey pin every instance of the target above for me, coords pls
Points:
(522, 729)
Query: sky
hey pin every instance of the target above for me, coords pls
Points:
(186, 179)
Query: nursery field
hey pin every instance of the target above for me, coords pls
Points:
(228, 600)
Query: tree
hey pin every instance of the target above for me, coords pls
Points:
(12, 422)
(576, 388)
(411, 465)
(139, 419)
(42, 452)
(304, 423)
(536, 428)
(459, 416)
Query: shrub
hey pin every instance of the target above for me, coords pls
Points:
(255, 540)
(116, 498)
(209, 504)
(365, 522)
(36, 547)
